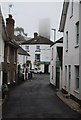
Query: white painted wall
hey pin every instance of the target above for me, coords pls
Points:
(1, 52)
(72, 56)
(21, 59)
(53, 63)
(80, 45)
(44, 54)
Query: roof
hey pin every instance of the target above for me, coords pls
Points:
(19, 38)
(58, 41)
(63, 15)
(21, 51)
(38, 40)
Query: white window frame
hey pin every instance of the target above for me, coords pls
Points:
(76, 77)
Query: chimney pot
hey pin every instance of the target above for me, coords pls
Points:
(35, 35)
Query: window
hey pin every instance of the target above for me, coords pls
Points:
(52, 72)
(27, 48)
(8, 77)
(71, 8)
(67, 41)
(77, 33)
(69, 77)
(52, 53)
(77, 77)
(37, 49)
(37, 57)
(8, 54)
(65, 76)
(15, 57)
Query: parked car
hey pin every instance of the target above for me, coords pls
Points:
(37, 70)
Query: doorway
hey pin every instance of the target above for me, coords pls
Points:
(46, 68)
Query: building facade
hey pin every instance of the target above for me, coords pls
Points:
(10, 54)
(2, 42)
(39, 50)
(56, 63)
(70, 25)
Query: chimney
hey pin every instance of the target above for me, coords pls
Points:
(35, 35)
(10, 27)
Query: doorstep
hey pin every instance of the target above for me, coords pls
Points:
(70, 102)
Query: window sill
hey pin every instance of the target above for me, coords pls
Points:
(76, 91)
(76, 46)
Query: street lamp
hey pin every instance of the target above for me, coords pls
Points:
(54, 33)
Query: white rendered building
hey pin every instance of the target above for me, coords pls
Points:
(70, 25)
(39, 50)
(56, 63)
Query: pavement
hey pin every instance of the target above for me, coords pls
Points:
(70, 102)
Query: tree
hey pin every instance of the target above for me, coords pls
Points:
(20, 30)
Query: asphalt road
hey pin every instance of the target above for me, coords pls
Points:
(36, 99)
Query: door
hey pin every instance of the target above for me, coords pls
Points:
(57, 77)
(46, 68)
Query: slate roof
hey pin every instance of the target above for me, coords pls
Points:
(63, 15)
(58, 41)
(21, 51)
(38, 40)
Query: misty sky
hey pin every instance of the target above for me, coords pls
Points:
(28, 14)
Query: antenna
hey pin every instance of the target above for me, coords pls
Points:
(10, 6)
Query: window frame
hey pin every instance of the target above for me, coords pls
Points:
(37, 48)
(76, 84)
(77, 34)
(27, 48)
(36, 57)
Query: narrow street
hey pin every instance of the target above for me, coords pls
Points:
(36, 99)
